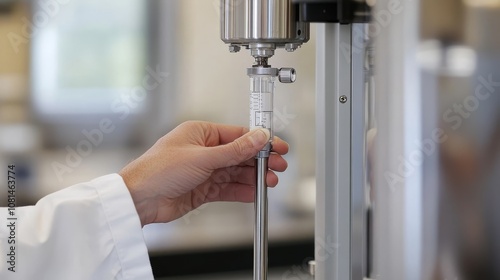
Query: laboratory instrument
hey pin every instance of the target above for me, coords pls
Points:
(407, 120)
(262, 26)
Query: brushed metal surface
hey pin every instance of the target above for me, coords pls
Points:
(261, 217)
(261, 21)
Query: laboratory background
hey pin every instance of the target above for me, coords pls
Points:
(68, 66)
(393, 123)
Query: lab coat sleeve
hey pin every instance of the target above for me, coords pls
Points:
(87, 231)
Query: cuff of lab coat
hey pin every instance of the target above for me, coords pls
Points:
(125, 226)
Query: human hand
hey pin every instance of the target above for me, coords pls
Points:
(196, 163)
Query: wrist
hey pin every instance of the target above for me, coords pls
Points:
(141, 202)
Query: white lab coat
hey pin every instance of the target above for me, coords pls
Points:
(87, 231)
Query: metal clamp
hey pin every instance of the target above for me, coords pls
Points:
(262, 71)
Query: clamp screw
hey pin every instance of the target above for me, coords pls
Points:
(343, 99)
(286, 75)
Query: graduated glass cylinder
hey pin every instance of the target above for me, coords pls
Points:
(261, 103)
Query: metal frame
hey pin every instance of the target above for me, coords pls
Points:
(340, 237)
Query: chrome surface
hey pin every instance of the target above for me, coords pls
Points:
(343, 99)
(261, 21)
(260, 234)
(262, 71)
(287, 75)
(261, 49)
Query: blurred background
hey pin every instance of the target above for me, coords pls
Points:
(86, 86)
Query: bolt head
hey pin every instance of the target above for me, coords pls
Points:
(290, 47)
(343, 99)
(234, 48)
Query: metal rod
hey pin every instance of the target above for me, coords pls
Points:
(260, 228)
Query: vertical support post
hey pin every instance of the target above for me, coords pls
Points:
(333, 121)
(340, 233)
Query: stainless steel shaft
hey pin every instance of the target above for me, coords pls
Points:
(260, 228)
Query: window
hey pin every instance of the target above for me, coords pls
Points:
(87, 54)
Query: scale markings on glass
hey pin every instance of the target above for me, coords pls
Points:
(260, 116)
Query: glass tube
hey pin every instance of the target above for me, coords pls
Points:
(261, 104)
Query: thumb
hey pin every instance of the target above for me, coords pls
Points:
(240, 149)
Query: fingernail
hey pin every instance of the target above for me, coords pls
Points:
(260, 136)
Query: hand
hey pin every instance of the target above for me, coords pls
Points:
(195, 163)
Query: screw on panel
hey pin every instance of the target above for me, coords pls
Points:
(343, 99)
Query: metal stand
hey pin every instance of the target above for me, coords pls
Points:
(340, 232)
